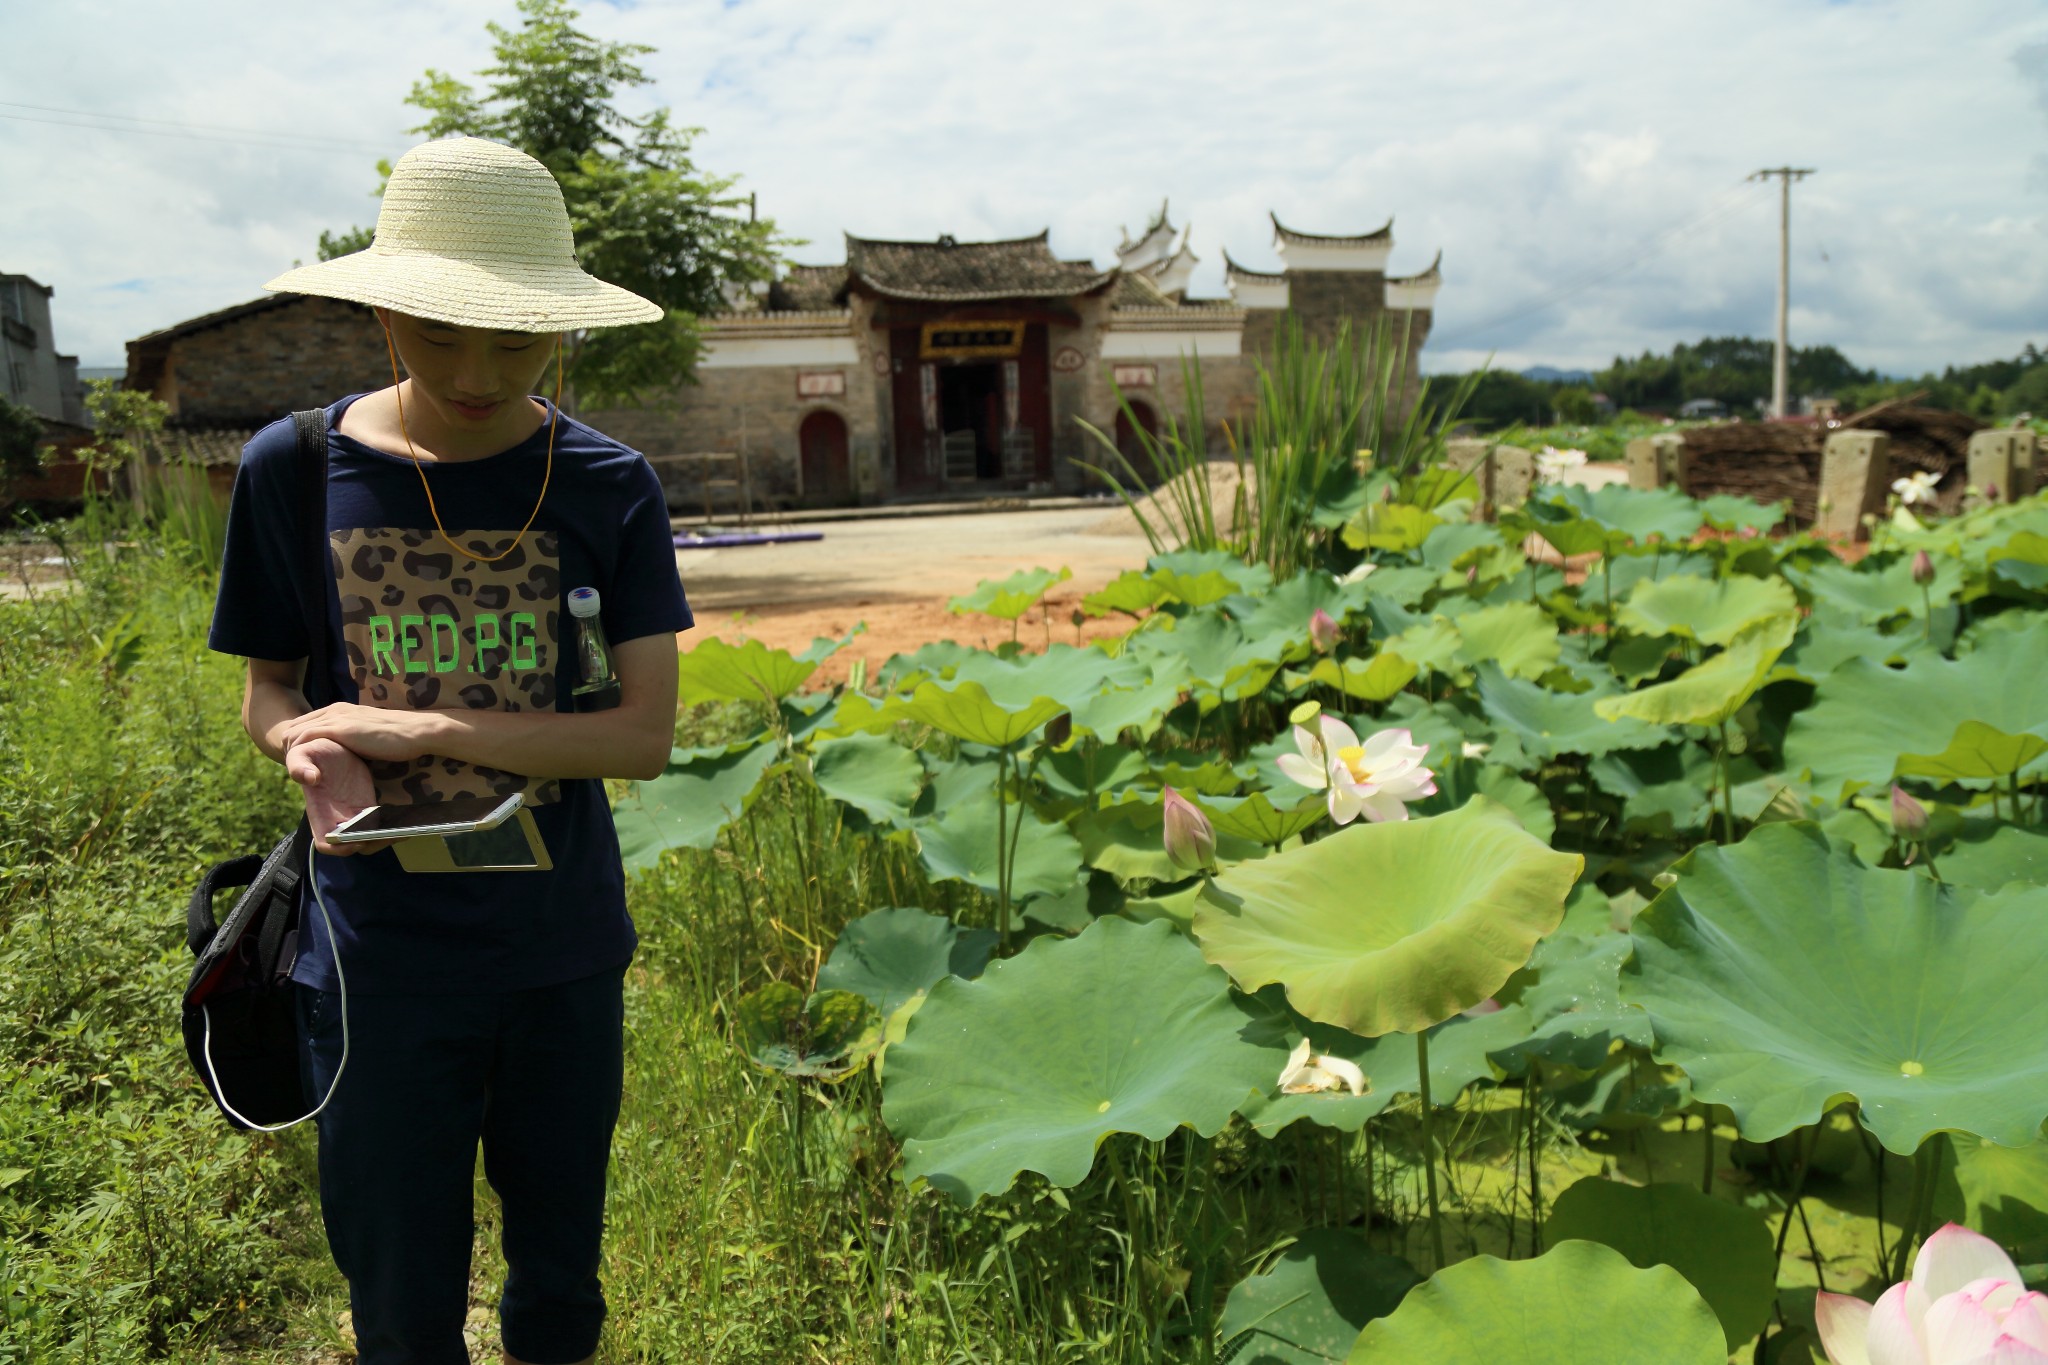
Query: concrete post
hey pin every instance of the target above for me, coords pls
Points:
(2002, 460)
(1475, 458)
(1656, 461)
(1855, 473)
(1514, 474)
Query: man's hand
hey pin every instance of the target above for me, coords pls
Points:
(337, 785)
(395, 734)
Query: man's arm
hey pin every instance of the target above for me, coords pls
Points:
(336, 783)
(632, 739)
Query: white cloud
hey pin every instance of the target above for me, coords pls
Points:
(1549, 158)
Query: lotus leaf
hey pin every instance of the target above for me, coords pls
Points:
(715, 670)
(890, 956)
(823, 647)
(1449, 544)
(877, 777)
(966, 711)
(1577, 1302)
(1711, 611)
(1285, 610)
(1200, 577)
(1990, 854)
(1458, 780)
(1127, 840)
(1390, 928)
(1723, 1250)
(1083, 771)
(1572, 997)
(936, 660)
(1783, 974)
(1309, 1306)
(1864, 716)
(1872, 592)
(1374, 679)
(1220, 662)
(1176, 907)
(1390, 526)
(1620, 1097)
(1829, 639)
(1007, 599)
(1066, 674)
(1552, 723)
(2002, 1192)
(1616, 579)
(698, 794)
(960, 846)
(1121, 1029)
(827, 1037)
(1709, 693)
(1400, 585)
(806, 715)
(1976, 750)
(2022, 560)
(1433, 644)
(1669, 787)
(1131, 592)
(1728, 512)
(1142, 707)
(1520, 638)
(1259, 819)
(1610, 519)
(1461, 1051)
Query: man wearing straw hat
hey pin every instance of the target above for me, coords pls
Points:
(478, 1007)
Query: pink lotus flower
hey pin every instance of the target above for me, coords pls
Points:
(1190, 838)
(1375, 779)
(1965, 1305)
(1323, 631)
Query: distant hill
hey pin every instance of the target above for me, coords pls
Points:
(1550, 374)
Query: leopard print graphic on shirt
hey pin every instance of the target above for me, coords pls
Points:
(426, 627)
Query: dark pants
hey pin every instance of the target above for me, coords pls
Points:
(535, 1076)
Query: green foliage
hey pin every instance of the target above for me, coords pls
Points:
(1310, 1306)
(646, 217)
(21, 442)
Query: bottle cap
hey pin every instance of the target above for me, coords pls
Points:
(583, 603)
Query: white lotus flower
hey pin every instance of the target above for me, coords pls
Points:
(1358, 575)
(1964, 1305)
(1551, 463)
(1472, 749)
(1375, 779)
(1916, 487)
(1310, 1073)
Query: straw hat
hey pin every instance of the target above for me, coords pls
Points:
(473, 233)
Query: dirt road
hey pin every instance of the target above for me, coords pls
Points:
(895, 574)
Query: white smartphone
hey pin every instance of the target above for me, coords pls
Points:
(464, 815)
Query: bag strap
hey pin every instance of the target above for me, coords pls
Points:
(199, 922)
(312, 429)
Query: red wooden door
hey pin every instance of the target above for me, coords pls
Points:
(828, 475)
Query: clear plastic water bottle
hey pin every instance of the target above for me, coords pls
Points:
(597, 687)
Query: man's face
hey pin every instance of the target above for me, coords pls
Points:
(474, 379)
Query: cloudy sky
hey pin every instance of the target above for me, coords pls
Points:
(1584, 177)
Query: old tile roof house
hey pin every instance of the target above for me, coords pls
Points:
(909, 370)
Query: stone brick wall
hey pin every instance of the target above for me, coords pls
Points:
(1326, 299)
(249, 371)
(753, 409)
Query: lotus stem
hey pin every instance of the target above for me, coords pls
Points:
(1707, 1154)
(1925, 1160)
(1436, 1222)
(1002, 854)
(1927, 612)
(1535, 1152)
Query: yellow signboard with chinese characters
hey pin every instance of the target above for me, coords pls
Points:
(971, 340)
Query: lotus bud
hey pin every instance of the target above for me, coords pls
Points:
(1323, 631)
(1190, 838)
(1079, 618)
(1923, 571)
(1472, 574)
(1991, 492)
(1059, 729)
(1909, 817)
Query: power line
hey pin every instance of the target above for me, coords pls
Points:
(1744, 196)
(199, 132)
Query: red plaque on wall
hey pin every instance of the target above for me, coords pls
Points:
(821, 384)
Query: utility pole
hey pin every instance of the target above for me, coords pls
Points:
(1780, 363)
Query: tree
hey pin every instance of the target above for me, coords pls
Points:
(646, 218)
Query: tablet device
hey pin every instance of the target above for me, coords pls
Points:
(464, 815)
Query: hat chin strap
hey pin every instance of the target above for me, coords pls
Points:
(554, 416)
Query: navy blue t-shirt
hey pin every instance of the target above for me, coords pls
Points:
(414, 623)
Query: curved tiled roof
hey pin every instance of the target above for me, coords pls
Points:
(1231, 267)
(947, 271)
(1432, 275)
(1382, 236)
(808, 289)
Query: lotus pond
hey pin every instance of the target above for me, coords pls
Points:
(1693, 969)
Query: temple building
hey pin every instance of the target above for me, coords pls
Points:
(928, 369)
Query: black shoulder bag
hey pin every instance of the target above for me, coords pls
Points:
(240, 1008)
